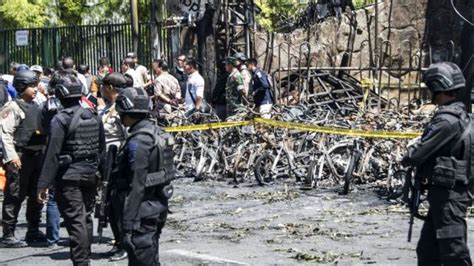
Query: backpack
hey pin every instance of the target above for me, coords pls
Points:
(467, 141)
(163, 150)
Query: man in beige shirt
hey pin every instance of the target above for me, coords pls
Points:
(167, 92)
(115, 134)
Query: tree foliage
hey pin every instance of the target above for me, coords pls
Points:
(41, 13)
(24, 13)
(276, 11)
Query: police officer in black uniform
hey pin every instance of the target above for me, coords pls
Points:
(442, 156)
(22, 152)
(74, 153)
(145, 168)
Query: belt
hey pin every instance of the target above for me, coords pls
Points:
(29, 151)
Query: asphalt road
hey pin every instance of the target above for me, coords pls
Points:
(217, 223)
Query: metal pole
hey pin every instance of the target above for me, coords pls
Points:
(376, 25)
(134, 21)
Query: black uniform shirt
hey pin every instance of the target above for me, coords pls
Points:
(438, 139)
(56, 138)
(137, 154)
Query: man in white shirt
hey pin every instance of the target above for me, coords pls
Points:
(194, 87)
(140, 70)
(42, 88)
(127, 70)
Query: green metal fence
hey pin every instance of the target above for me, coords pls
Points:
(86, 44)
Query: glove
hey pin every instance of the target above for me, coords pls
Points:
(127, 242)
(405, 160)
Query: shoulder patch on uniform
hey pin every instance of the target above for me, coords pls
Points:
(259, 74)
(132, 150)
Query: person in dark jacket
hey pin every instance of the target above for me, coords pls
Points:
(179, 73)
(145, 168)
(442, 158)
(75, 150)
(261, 89)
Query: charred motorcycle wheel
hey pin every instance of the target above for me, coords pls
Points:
(399, 185)
(311, 179)
(349, 175)
(263, 168)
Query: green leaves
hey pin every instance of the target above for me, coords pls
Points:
(275, 11)
(24, 13)
(41, 13)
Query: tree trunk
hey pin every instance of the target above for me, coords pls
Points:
(451, 39)
(207, 56)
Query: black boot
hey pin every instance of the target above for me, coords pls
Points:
(9, 241)
(119, 255)
(35, 236)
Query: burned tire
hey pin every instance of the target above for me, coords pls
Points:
(400, 185)
(311, 179)
(263, 168)
(349, 175)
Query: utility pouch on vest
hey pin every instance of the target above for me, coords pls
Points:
(444, 173)
(461, 171)
(65, 160)
(155, 179)
(168, 191)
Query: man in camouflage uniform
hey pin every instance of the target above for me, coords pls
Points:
(246, 75)
(235, 90)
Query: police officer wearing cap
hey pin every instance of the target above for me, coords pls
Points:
(145, 168)
(442, 157)
(115, 134)
(22, 146)
(74, 153)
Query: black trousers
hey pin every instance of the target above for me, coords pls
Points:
(443, 239)
(145, 239)
(116, 203)
(19, 185)
(76, 204)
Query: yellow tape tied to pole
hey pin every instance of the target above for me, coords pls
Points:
(299, 126)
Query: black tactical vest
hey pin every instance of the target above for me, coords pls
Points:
(161, 162)
(26, 134)
(162, 167)
(82, 139)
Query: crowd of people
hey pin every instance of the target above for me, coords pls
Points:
(59, 126)
(63, 131)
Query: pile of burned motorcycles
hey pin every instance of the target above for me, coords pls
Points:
(265, 154)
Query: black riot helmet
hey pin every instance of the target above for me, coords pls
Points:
(133, 101)
(68, 86)
(24, 79)
(443, 77)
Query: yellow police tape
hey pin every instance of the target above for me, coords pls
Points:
(207, 126)
(299, 126)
